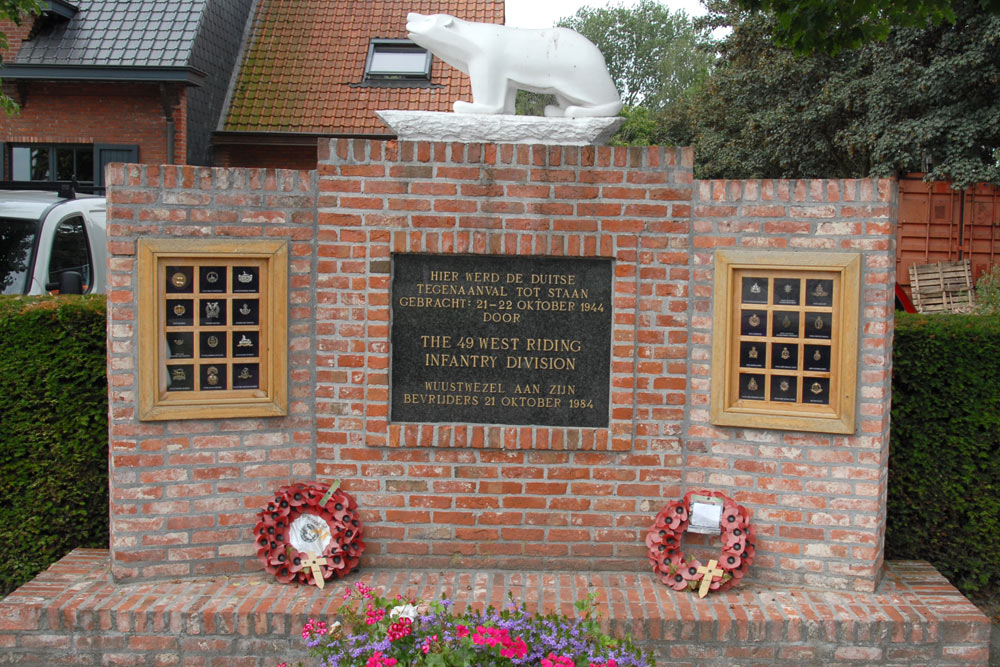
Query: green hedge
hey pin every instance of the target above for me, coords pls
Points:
(53, 432)
(944, 464)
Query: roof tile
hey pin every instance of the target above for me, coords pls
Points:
(305, 59)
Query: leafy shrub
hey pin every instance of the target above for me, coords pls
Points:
(988, 292)
(53, 432)
(944, 464)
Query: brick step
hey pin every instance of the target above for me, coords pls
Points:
(74, 614)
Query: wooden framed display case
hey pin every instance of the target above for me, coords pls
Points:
(212, 328)
(785, 340)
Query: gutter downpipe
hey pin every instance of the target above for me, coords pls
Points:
(168, 115)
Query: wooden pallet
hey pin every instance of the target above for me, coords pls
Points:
(942, 287)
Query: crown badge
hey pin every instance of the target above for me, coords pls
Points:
(245, 277)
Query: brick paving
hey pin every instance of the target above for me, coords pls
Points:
(74, 613)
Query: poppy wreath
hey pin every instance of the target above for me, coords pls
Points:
(665, 537)
(335, 508)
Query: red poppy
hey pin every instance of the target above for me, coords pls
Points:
(675, 578)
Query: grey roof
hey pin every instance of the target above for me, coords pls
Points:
(118, 34)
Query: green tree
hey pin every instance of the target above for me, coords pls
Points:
(925, 96)
(821, 25)
(16, 11)
(653, 55)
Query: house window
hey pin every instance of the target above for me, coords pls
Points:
(397, 60)
(54, 162)
(42, 162)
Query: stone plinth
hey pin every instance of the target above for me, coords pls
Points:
(479, 128)
(74, 614)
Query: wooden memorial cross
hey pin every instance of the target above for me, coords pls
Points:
(710, 572)
(315, 562)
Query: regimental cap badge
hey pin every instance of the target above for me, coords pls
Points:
(786, 322)
(784, 385)
(819, 322)
(212, 277)
(212, 341)
(244, 342)
(755, 288)
(819, 291)
(177, 374)
(179, 309)
(785, 354)
(245, 310)
(245, 277)
(817, 356)
(754, 320)
(212, 309)
(213, 375)
(178, 280)
(244, 374)
(788, 288)
(816, 388)
(752, 384)
(752, 353)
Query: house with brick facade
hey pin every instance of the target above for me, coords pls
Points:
(316, 69)
(101, 81)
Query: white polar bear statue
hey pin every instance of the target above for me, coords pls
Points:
(499, 60)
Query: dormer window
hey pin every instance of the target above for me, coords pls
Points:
(397, 60)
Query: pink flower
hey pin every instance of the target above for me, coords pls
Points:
(461, 631)
(374, 614)
(554, 660)
(399, 629)
(514, 648)
(426, 648)
(379, 660)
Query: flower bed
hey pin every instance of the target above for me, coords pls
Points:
(376, 632)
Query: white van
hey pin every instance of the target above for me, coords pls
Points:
(51, 243)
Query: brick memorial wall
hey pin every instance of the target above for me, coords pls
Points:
(454, 494)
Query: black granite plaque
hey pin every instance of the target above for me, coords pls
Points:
(817, 358)
(245, 343)
(246, 376)
(754, 290)
(212, 344)
(819, 292)
(213, 377)
(180, 312)
(246, 312)
(753, 323)
(751, 386)
(180, 378)
(212, 312)
(179, 279)
(180, 345)
(785, 323)
(818, 325)
(816, 390)
(246, 279)
(784, 388)
(501, 340)
(752, 354)
(785, 356)
(212, 279)
(786, 291)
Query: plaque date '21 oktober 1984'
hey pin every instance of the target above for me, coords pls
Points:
(501, 340)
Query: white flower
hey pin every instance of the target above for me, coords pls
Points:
(404, 611)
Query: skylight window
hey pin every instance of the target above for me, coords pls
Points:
(397, 60)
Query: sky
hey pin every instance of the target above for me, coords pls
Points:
(544, 13)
